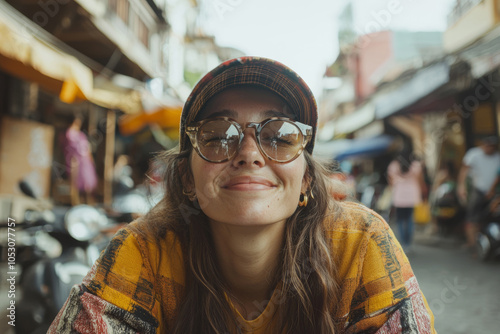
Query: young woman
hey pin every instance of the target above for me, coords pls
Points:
(406, 177)
(80, 164)
(248, 238)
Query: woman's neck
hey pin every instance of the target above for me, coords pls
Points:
(248, 257)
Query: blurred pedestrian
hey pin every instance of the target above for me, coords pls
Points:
(445, 204)
(481, 164)
(407, 181)
(79, 163)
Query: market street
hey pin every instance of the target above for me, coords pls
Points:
(463, 293)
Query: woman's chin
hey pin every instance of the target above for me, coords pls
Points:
(248, 210)
(246, 216)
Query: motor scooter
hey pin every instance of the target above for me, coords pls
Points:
(131, 201)
(488, 238)
(46, 279)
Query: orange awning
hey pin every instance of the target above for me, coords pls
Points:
(166, 118)
(33, 59)
(18, 69)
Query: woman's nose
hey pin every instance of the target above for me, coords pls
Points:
(249, 153)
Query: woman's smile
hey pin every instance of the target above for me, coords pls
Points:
(249, 183)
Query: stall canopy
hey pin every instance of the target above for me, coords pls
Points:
(32, 58)
(329, 149)
(363, 116)
(366, 147)
(165, 117)
(405, 93)
(29, 53)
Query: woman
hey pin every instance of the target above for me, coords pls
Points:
(406, 177)
(248, 238)
(79, 163)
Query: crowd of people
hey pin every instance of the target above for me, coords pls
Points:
(456, 199)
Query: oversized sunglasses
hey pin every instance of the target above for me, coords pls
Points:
(219, 139)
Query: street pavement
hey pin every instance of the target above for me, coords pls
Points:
(463, 292)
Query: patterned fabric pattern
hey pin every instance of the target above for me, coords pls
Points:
(376, 277)
(130, 289)
(86, 313)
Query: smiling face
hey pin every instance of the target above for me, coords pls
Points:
(249, 189)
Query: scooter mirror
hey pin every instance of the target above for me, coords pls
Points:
(26, 189)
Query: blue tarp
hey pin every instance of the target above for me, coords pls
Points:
(366, 147)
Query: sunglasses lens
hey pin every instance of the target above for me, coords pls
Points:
(218, 140)
(281, 140)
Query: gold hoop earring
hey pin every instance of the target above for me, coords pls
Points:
(303, 199)
(191, 195)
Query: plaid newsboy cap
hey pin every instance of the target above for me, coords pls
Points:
(256, 71)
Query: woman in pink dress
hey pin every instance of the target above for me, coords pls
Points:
(79, 161)
(405, 175)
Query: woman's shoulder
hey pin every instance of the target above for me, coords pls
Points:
(155, 240)
(71, 134)
(365, 250)
(142, 230)
(351, 231)
(416, 166)
(138, 274)
(351, 216)
(161, 254)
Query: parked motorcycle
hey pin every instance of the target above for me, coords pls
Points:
(488, 239)
(129, 201)
(46, 279)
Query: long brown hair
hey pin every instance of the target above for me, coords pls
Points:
(307, 276)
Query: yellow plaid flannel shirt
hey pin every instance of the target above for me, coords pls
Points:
(126, 292)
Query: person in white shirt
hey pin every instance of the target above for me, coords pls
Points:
(481, 164)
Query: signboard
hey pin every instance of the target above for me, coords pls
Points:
(26, 149)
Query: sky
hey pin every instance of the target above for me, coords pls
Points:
(302, 34)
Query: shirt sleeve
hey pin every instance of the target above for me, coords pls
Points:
(117, 295)
(84, 312)
(469, 157)
(386, 297)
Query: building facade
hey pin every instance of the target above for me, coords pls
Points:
(107, 60)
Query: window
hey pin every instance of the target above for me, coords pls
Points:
(143, 33)
(113, 5)
(120, 8)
